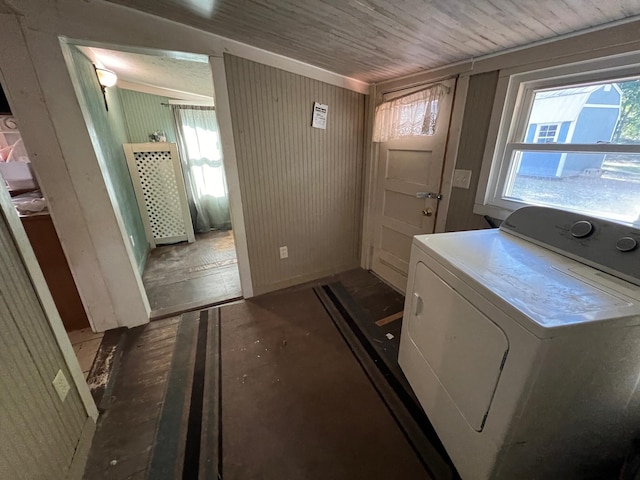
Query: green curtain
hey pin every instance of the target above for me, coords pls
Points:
(201, 155)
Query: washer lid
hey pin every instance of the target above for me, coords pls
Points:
(537, 282)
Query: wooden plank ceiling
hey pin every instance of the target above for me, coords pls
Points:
(374, 40)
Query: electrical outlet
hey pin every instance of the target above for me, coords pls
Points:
(284, 253)
(61, 385)
(133, 242)
(461, 178)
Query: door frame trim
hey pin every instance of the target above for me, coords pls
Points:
(460, 90)
(227, 142)
(369, 181)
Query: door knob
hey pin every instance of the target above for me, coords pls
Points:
(427, 212)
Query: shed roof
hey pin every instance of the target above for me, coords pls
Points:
(560, 105)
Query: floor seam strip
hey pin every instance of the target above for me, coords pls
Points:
(371, 369)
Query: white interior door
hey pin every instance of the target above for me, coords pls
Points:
(406, 167)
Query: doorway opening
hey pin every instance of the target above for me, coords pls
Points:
(17, 177)
(187, 276)
(170, 187)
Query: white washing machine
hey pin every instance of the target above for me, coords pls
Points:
(523, 344)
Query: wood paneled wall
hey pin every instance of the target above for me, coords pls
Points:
(108, 135)
(38, 433)
(145, 114)
(473, 137)
(301, 186)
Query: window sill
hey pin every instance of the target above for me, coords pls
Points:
(501, 213)
(496, 212)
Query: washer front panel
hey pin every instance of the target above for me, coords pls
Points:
(463, 348)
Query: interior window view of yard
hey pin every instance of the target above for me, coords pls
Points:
(594, 177)
(614, 191)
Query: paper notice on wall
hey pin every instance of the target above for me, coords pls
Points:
(319, 115)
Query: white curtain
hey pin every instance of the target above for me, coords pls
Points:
(201, 156)
(409, 115)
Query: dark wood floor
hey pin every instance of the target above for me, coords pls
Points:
(381, 303)
(295, 402)
(186, 276)
(131, 406)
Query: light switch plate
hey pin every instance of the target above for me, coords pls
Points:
(461, 178)
(284, 253)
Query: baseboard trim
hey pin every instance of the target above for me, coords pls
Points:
(308, 277)
(79, 460)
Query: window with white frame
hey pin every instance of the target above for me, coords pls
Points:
(567, 140)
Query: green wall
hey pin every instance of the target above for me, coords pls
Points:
(145, 114)
(108, 133)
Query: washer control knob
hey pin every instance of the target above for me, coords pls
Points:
(581, 229)
(626, 244)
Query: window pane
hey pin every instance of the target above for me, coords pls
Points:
(600, 113)
(605, 185)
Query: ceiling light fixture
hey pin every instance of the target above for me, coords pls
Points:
(106, 78)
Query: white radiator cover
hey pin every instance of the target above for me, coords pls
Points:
(160, 192)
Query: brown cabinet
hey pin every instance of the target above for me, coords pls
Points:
(46, 245)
